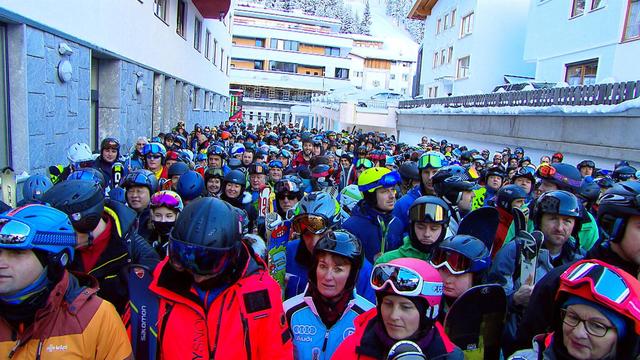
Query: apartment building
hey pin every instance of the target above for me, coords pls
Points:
(470, 46)
(583, 42)
(79, 71)
(280, 59)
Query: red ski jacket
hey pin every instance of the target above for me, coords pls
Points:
(246, 321)
(503, 228)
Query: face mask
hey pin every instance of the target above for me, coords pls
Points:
(163, 227)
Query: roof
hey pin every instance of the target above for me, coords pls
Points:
(384, 54)
(254, 10)
(421, 9)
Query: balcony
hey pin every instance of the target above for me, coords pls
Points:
(285, 80)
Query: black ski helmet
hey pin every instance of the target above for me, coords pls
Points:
(345, 244)
(507, 194)
(451, 188)
(207, 225)
(430, 209)
(81, 200)
(558, 202)
(236, 177)
(567, 177)
(190, 185)
(409, 171)
(624, 173)
(616, 205)
(177, 169)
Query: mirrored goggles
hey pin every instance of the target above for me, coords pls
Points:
(430, 160)
(456, 263)
(403, 281)
(315, 224)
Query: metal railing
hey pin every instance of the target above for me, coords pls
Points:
(602, 94)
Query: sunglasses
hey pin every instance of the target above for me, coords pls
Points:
(315, 224)
(287, 196)
(153, 156)
(403, 281)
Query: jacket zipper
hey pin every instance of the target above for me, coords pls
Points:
(212, 354)
(247, 341)
(326, 338)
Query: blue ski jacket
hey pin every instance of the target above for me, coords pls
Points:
(370, 227)
(401, 211)
(311, 338)
(298, 262)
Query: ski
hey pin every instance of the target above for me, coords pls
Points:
(475, 321)
(519, 220)
(277, 236)
(9, 187)
(481, 223)
(530, 244)
(263, 202)
(144, 307)
(117, 172)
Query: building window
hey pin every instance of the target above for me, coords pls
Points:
(582, 73)
(273, 43)
(196, 92)
(197, 33)
(5, 149)
(332, 51)
(342, 73)
(632, 23)
(596, 4)
(259, 42)
(222, 59)
(290, 45)
(450, 55)
(180, 23)
(463, 68)
(405, 77)
(392, 76)
(282, 66)
(207, 45)
(435, 59)
(446, 22)
(215, 52)
(258, 65)
(578, 8)
(438, 24)
(160, 9)
(453, 17)
(443, 56)
(466, 27)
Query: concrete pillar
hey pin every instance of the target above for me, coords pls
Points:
(158, 118)
(109, 98)
(170, 116)
(178, 100)
(18, 103)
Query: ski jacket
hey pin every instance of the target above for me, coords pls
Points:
(346, 176)
(311, 338)
(125, 247)
(299, 160)
(74, 324)
(370, 226)
(542, 349)
(105, 168)
(245, 321)
(505, 218)
(365, 345)
(405, 251)
(588, 235)
(298, 262)
(401, 209)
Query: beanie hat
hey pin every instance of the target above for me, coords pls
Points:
(616, 319)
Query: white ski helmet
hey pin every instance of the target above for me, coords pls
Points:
(79, 152)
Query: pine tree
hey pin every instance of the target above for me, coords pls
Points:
(365, 25)
(357, 23)
(347, 21)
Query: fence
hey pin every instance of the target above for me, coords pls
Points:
(603, 94)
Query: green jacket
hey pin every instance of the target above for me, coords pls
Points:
(404, 251)
(588, 234)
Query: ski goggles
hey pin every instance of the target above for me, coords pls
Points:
(430, 160)
(364, 164)
(283, 186)
(546, 171)
(166, 199)
(387, 180)
(427, 213)
(200, 260)
(587, 163)
(18, 235)
(276, 164)
(605, 283)
(455, 262)
(525, 171)
(403, 281)
(313, 223)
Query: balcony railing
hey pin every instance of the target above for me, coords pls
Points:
(602, 94)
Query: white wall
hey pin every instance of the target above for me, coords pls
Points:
(554, 40)
(103, 24)
(335, 40)
(286, 80)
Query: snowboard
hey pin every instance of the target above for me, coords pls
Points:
(144, 306)
(8, 179)
(117, 172)
(475, 321)
(530, 244)
(277, 236)
(481, 223)
(263, 202)
(519, 220)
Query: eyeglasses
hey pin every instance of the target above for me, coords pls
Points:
(592, 327)
(430, 160)
(315, 224)
(386, 181)
(403, 281)
(153, 156)
(199, 259)
(455, 262)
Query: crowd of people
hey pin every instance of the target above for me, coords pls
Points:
(162, 251)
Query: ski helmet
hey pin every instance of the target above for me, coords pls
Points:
(190, 185)
(155, 148)
(431, 160)
(451, 188)
(406, 350)
(507, 194)
(429, 209)
(586, 163)
(34, 187)
(289, 184)
(236, 177)
(110, 143)
(320, 203)
(177, 169)
(558, 202)
(168, 199)
(211, 173)
(216, 150)
(39, 227)
(564, 176)
(409, 171)
(349, 197)
(79, 155)
(89, 174)
(341, 243)
(141, 177)
(616, 205)
(477, 258)
(206, 240)
(624, 173)
(81, 200)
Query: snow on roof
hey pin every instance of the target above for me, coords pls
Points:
(385, 53)
(362, 37)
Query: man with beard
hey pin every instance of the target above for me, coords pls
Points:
(305, 155)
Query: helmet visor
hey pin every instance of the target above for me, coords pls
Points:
(199, 260)
(456, 263)
(403, 281)
(313, 223)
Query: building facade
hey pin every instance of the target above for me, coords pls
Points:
(281, 59)
(80, 71)
(470, 46)
(565, 47)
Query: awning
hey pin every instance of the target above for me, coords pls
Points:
(421, 9)
(213, 9)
